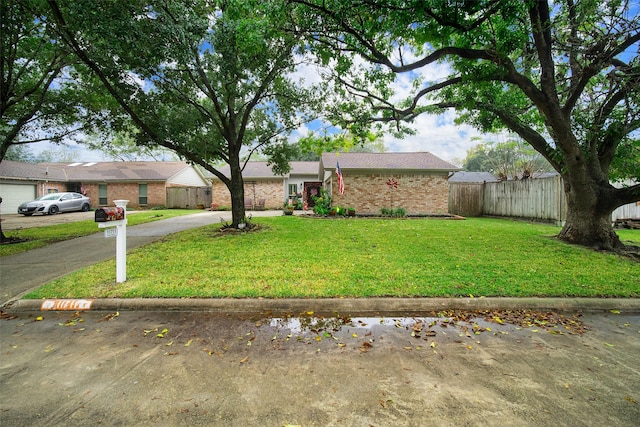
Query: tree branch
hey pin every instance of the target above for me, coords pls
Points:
(72, 42)
(537, 141)
(624, 196)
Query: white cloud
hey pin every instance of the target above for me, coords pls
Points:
(306, 72)
(81, 152)
(437, 135)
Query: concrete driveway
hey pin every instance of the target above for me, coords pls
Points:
(16, 221)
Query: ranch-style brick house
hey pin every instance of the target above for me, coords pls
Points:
(264, 190)
(416, 182)
(144, 184)
(421, 183)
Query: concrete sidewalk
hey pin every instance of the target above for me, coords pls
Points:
(23, 272)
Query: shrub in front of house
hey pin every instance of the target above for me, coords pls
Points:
(322, 203)
(395, 213)
(288, 208)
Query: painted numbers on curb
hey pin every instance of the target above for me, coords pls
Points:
(66, 304)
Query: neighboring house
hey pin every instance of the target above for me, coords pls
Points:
(416, 182)
(265, 190)
(144, 184)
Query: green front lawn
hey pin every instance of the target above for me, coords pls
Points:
(306, 257)
(41, 236)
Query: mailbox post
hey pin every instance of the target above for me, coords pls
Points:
(116, 217)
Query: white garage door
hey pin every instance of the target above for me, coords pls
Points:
(14, 194)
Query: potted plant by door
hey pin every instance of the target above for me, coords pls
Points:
(351, 211)
(288, 209)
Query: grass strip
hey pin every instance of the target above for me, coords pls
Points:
(304, 257)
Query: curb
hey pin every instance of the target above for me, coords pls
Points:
(329, 306)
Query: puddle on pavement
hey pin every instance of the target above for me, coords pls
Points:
(417, 327)
(462, 322)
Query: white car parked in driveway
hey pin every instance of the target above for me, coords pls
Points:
(53, 203)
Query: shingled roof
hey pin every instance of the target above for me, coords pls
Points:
(423, 161)
(255, 170)
(13, 170)
(92, 171)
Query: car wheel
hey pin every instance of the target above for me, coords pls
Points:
(85, 208)
(53, 210)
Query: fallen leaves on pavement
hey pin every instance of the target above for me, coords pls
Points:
(550, 321)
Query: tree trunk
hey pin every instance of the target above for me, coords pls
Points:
(236, 189)
(589, 217)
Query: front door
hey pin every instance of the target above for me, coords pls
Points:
(311, 189)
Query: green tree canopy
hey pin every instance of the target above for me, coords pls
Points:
(340, 142)
(205, 79)
(562, 75)
(511, 159)
(39, 98)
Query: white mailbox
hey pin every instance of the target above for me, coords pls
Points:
(117, 228)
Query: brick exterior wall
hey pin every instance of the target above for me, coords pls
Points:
(156, 194)
(417, 193)
(426, 193)
(51, 187)
(270, 190)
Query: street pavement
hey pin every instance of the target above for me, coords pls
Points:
(176, 368)
(329, 362)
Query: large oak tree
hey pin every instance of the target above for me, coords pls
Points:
(563, 75)
(208, 80)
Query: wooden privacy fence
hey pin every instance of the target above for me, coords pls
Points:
(188, 197)
(539, 199)
(466, 198)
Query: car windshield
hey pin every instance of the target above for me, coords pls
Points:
(52, 196)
